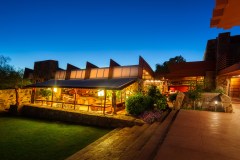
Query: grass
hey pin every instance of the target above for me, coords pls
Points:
(27, 139)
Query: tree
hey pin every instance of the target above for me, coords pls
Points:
(163, 68)
(9, 76)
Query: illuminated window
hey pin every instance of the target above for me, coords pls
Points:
(99, 73)
(126, 72)
(106, 72)
(73, 74)
(80, 74)
(93, 73)
(117, 72)
(77, 74)
(131, 71)
(60, 75)
(134, 72)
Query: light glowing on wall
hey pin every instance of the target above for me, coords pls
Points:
(55, 90)
(101, 93)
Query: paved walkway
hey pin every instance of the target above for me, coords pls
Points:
(202, 135)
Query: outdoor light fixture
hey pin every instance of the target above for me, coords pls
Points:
(101, 93)
(215, 102)
(55, 90)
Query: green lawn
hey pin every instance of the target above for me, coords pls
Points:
(27, 139)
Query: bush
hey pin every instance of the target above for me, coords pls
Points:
(45, 93)
(159, 100)
(161, 103)
(172, 97)
(137, 104)
(153, 92)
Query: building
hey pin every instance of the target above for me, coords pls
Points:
(92, 88)
(43, 71)
(226, 14)
(219, 69)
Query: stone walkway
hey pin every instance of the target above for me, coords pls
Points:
(198, 135)
(138, 142)
(202, 135)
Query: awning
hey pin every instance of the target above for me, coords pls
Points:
(111, 84)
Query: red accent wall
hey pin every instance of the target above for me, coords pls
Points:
(179, 88)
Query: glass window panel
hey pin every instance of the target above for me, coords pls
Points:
(83, 74)
(134, 72)
(106, 72)
(93, 73)
(60, 75)
(117, 72)
(126, 72)
(73, 74)
(79, 74)
(56, 75)
(100, 73)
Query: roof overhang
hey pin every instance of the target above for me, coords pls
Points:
(226, 14)
(233, 70)
(110, 84)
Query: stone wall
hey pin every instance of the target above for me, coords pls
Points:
(222, 83)
(24, 96)
(85, 118)
(8, 97)
(211, 102)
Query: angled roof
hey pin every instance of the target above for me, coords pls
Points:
(112, 84)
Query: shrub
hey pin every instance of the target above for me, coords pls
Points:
(45, 93)
(153, 92)
(161, 103)
(159, 100)
(138, 103)
(172, 97)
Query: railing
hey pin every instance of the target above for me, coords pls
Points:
(74, 106)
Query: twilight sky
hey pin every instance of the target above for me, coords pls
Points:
(76, 31)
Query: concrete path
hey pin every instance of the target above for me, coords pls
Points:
(202, 135)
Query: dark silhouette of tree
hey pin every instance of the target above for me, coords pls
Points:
(9, 76)
(163, 68)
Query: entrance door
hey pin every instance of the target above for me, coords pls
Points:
(235, 87)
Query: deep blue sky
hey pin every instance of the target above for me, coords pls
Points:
(76, 31)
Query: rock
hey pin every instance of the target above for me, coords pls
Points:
(179, 99)
(226, 103)
(229, 109)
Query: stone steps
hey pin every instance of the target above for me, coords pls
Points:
(150, 148)
(138, 142)
(77, 156)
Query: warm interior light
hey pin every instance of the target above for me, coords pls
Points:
(101, 93)
(216, 102)
(55, 90)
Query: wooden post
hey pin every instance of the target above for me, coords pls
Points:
(105, 97)
(52, 97)
(17, 96)
(75, 99)
(114, 98)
